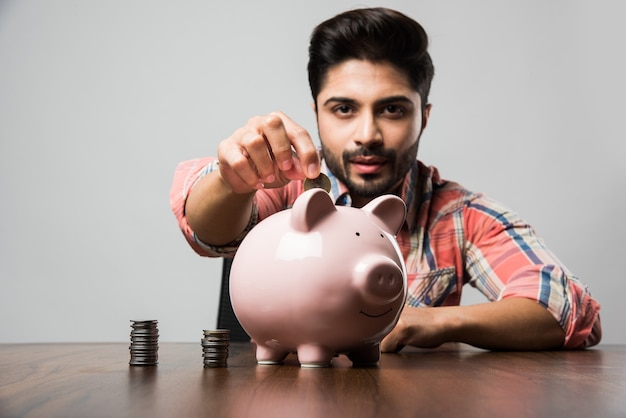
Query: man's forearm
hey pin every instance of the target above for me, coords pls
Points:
(509, 324)
(216, 215)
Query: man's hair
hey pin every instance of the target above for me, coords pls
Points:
(378, 35)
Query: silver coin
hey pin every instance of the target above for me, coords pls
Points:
(144, 325)
(217, 340)
(320, 182)
(143, 356)
(215, 349)
(209, 354)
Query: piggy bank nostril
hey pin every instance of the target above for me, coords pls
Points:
(384, 284)
(386, 281)
(379, 279)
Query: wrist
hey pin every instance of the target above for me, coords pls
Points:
(454, 324)
(228, 189)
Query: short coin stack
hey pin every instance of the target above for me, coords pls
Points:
(144, 343)
(215, 347)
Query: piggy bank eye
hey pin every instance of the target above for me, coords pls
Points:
(382, 236)
(358, 234)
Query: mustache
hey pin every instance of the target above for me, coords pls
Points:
(387, 153)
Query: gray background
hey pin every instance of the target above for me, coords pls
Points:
(99, 100)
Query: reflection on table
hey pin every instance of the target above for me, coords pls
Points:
(72, 380)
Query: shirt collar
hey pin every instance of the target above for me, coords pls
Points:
(414, 187)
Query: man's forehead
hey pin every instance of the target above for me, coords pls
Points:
(393, 99)
(360, 80)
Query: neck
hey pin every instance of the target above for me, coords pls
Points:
(359, 201)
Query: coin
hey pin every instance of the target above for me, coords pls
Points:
(215, 346)
(144, 343)
(320, 182)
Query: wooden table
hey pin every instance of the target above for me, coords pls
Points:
(95, 380)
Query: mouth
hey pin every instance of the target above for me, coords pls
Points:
(368, 165)
(376, 316)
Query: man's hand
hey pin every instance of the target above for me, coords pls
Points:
(508, 324)
(269, 151)
(417, 327)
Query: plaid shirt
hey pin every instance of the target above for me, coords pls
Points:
(451, 237)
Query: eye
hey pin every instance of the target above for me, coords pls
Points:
(382, 236)
(393, 111)
(358, 234)
(343, 109)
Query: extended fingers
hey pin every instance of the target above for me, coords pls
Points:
(289, 137)
(254, 146)
(391, 343)
(278, 141)
(268, 150)
(237, 168)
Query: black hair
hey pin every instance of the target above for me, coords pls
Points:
(373, 34)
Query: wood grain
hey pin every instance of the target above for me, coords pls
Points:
(95, 380)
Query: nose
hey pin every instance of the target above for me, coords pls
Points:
(378, 279)
(368, 132)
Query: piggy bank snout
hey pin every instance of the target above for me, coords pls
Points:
(379, 279)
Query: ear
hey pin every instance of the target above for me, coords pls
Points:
(314, 107)
(426, 115)
(388, 212)
(310, 208)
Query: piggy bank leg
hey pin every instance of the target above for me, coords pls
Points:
(314, 356)
(367, 356)
(269, 355)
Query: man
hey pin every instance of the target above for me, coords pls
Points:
(370, 75)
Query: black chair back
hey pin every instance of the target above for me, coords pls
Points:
(226, 318)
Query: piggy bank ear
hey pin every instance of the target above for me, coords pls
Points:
(310, 208)
(388, 212)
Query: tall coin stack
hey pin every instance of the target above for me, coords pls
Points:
(215, 347)
(144, 343)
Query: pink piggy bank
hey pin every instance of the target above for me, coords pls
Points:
(321, 280)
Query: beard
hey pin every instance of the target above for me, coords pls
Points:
(372, 185)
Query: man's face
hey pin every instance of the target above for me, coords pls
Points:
(370, 121)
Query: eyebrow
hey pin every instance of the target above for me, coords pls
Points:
(383, 101)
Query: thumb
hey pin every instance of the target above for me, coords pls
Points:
(392, 343)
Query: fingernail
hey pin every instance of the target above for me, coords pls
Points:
(285, 165)
(270, 179)
(313, 170)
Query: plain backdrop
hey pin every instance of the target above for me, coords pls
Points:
(99, 100)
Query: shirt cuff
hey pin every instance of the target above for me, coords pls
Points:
(229, 250)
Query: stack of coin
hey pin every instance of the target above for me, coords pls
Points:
(144, 343)
(215, 347)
